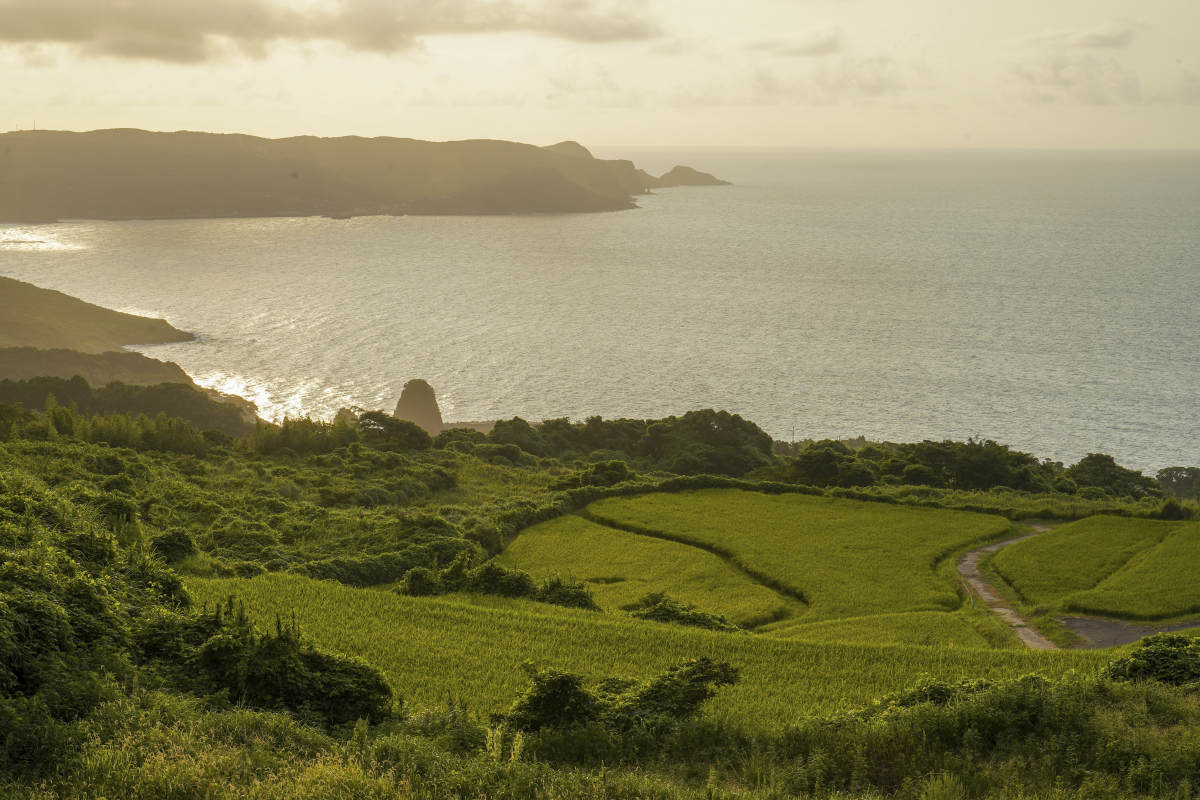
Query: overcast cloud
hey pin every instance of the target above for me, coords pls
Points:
(196, 30)
(918, 73)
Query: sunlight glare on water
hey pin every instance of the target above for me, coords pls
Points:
(1045, 300)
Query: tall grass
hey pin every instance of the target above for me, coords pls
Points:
(846, 558)
(621, 567)
(432, 649)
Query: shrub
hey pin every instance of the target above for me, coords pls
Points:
(557, 699)
(658, 607)
(284, 670)
(1165, 657)
(570, 594)
(174, 545)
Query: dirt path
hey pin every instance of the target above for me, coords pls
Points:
(968, 568)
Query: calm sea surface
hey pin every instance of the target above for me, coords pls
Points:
(1047, 300)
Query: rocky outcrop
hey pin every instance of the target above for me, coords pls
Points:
(418, 404)
(680, 176)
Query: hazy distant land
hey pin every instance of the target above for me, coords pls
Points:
(118, 174)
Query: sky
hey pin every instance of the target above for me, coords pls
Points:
(696, 73)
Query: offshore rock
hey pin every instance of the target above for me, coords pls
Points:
(418, 404)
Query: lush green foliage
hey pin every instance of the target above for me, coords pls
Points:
(1180, 482)
(620, 567)
(557, 699)
(492, 578)
(970, 466)
(658, 607)
(699, 442)
(86, 613)
(844, 558)
(1074, 558)
(434, 647)
(1102, 472)
(1164, 657)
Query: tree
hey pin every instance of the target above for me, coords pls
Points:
(1182, 483)
(1101, 471)
(379, 427)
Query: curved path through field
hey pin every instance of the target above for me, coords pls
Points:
(968, 568)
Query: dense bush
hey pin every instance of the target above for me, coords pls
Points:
(658, 607)
(557, 699)
(1165, 657)
(491, 578)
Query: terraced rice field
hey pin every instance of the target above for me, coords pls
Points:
(1110, 567)
(926, 628)
(1074, 558)
(1162, 583)
(620, 567)
(846, 558)
(434, 648)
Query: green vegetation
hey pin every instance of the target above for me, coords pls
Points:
(196, 406)
(970, 466)
(1122, 568)
(931, 628)
(432, 648)
(1076, 557)
(621, 567)
(127, 671)
(845, 558)
(35, 317)
(1159, 584)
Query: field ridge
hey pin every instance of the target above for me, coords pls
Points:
(726, 555)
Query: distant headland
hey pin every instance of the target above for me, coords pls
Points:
(121, 174)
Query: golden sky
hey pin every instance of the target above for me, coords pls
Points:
(876, 73)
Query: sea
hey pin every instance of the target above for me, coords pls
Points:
(1048, 300)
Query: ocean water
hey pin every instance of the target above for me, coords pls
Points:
(1047, 300)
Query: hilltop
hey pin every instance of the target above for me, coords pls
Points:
(34, 317)
(133, 174)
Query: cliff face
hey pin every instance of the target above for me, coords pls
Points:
(34, 317)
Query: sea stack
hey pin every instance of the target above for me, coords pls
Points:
(418, 403)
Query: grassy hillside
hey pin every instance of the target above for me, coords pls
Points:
(621, 567)
(846, 558)
(432, 649)
(35, 317)
(1074, 558)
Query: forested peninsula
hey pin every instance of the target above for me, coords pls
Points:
(120, 174)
